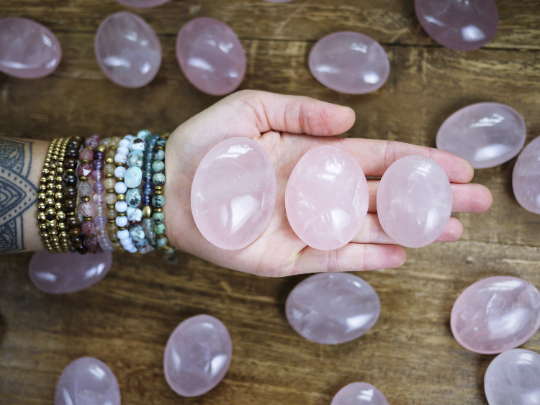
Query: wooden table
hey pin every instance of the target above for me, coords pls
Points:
(125, 320)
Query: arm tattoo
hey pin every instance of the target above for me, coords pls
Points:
(17, 193)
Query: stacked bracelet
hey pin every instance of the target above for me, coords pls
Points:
(148, 191)
(71, 194)
(85, 189)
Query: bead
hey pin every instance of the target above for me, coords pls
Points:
(98, 164)
(72, 153)
(87, 209)
(120, 187)
(121, 206)
(109, 169)
(72, 222)
(111, 213)
(112, 227)
(137, 145)
(100, 221)
(69, 205)
(144, 135)
(123, 234)
(158, 201)
(147, 212)
(123, 150)
(158, 217)
(159, 154)
(70, 192)
(91, 243)
(121, 197)
(109, 183)
(70, 163)
(99, 155)
(111, 153)
(100, 210)
(115, 140)
(134, 214)
(148, 189)
(99, 187)
(137, 233)
(135, 159)
(120, 172)
(88, 228)
(110, 198)
(158, 179)
(124, 143)
(98, 175)
(99, 199)
(161, 142)
(70, 179)
(84, 189)
(158, 166)
(84, 169)
(74, 232)
(121, 221)
(162, 242)
(133, 177)
(133, 197)
(130, 137)
(146, 200)
(120, 158)
(159, 229)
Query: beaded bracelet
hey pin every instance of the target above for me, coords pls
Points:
(110, 196)
(100, 189)
(70, 194)
(148, 191)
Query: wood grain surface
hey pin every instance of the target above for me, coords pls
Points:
(125, 320)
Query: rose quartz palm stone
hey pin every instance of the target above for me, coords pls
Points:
(526, 177)
(414, 201)
(459, 25)
(211, 56)
(67, 272)
(359, 393)
(513, 377)
(127, 50)
(197, 355)
(327, 198)
(234, 193)
(142, 3)
(349, 62)
(27, 49)
(496, 314)
(87, 381)
(332, 308)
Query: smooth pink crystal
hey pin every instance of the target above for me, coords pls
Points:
(211, 56)
(526, 177)
(332, 308)
(359, 393)
(496, 314)
(513, 377)
(67, 272)
(87, 381)
(349, 62)
(327, 198)
(197, 355)
(414, 201)
(87, 209)
(86, 154)
(127, 49)
(84, 169)
(486, 134)
(461, 25)
(142, 3)
(234, 193)
(27, 49)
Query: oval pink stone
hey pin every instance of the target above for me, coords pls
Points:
(486, 134)
(349, 62)
(87, 381)
(459, 25)
(142, 3)
(27, 49)
(513, 377)
(359, 393)
(211, 56)
(234, 193)
(414, 201)
(496, 314)
(67, 272)
(526, 177)
(332, 308)
(127, 50)
(197, 355)
(327, 198)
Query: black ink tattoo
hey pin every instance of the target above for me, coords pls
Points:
(17, 193)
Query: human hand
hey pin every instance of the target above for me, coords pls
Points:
(287, 127)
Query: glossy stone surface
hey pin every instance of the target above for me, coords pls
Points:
(359, 393)
(327, 198)
(211, 56)
(457, 24)
(513, 377)
(197, 355)
(349, 62)
(414, 201)
(127, 50)
(486, 134)
(526, 177)
(87, 381)
(142, 3)
(67, 272)
(233, 193)
(27, 49)
(332, 308)
(496, 314)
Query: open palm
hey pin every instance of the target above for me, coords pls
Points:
(287, 127)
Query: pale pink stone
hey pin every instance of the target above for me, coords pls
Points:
(127, 49)
(513, 377)
(486, 134)
(234, 193)
(197, 355)
(349, 62)
(526, 177)
(327, 198)
(27, 49)
(87, 381)
(359, 393)
(414, 201)
(211, 56)
(142, 3)
(67, 272)
(496, 314)
(87, 209)
(87, 154)
(332, 308)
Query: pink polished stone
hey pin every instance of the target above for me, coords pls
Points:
(87, 209)
(211, 56)
(327, 198)
(349, 62)
(84, 169)
(332, 308)
(513, 377)
(67, 272)
(526, 177)
(486, 134)
(127, 49)
(87, 154)
(234, 193)
(496, 314)
(88, 227)
(142, 3)
(359, 393)
(27, 49)
(197, 355)
(414, 201)
(87, 381)
(459, 25)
